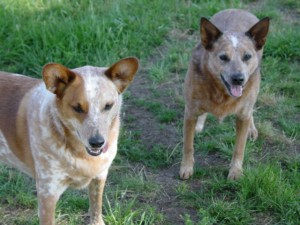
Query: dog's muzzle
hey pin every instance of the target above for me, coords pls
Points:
(236, 85)
(96, 151)
(97, 145)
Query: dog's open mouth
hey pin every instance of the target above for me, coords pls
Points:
(97, 151)
(234, 90)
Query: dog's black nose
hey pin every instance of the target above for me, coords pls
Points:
(237, 79)
(96, 141)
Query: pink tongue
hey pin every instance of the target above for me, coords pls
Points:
(236, 90)
(105, 148)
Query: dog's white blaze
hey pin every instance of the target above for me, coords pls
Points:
(234, 40)
(99, 91)
(92, 85)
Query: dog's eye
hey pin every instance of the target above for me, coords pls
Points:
(108, 106)
(247, 57)
(224, 58)
(78, 108)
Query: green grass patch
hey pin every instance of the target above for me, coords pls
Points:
(16, 189)
(265, 189)
(122, 212)
(133, 149)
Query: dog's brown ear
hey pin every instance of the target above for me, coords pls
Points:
(122, 72)
(209, 33)
(259, 32)
(57, 77)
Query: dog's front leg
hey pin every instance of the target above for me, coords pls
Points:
(96, 188)
(187, 163)
(47, 203)
(242, 127)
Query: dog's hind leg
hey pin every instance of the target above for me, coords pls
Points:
(242, 126)
(187, 163)
(252, 132)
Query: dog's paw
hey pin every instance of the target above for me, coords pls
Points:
(98, 222)
(252, 133)
(186, 172)
(186, 167)
(235, 173)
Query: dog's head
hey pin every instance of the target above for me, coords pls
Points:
(89, 98)
(233, 56)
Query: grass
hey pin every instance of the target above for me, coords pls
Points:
(143, 185)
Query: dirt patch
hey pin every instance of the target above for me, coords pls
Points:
(145, 122)
(168, 201)
(152, 132)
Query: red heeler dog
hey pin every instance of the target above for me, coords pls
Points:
(63, 131)
(223, 78)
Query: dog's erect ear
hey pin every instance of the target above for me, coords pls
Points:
(122, 72)
(259, 32)
(57, 77)
(209, 33)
